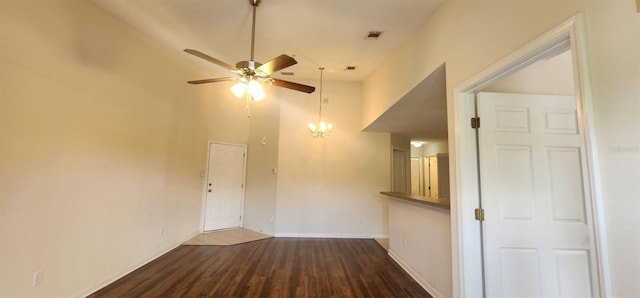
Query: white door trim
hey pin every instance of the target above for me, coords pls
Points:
(203, 204)
(466, 238)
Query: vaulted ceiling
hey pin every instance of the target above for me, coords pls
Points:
(328, 33)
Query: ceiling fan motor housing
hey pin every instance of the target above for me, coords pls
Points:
(248, 65)
(250, 68)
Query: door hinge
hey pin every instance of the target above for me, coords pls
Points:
(475, 122)
(480, 214)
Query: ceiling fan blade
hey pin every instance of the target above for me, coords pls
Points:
(211, 80)
(281, 62)
(294, 86)
(209, 58)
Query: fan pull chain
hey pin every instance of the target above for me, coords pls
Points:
(320, 113)
(248, 106)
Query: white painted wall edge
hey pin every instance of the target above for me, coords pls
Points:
(111, 279)
(415, 275)
(321, 235)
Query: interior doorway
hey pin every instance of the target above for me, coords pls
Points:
(417, 180)
(469, 175)
(225, 186)
(400, 174)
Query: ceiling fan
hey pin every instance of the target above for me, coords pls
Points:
(251, 73)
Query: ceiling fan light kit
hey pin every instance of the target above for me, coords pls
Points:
(251, 74)
(251, 89)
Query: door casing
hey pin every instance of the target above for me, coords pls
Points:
(466, 235)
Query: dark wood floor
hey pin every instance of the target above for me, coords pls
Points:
(275, 267)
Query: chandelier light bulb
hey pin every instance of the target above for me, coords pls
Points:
(320, 130)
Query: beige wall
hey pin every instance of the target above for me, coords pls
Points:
(552, 76)
(330, 187)
(262, 159)
(102, 147)
(466, 35)
(471, 35)
(399, 141)
(420, 239)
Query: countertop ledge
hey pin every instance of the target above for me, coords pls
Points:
(440, 203)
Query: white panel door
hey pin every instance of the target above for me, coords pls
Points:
(536, 239)
(225, 184)
(427, 176)
(434, 191)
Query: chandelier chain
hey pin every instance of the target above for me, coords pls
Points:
(320, 113)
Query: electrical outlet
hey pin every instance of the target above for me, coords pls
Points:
(37, 278)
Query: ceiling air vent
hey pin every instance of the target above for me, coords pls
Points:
(286, 73)
(373, 35)
(349, 67)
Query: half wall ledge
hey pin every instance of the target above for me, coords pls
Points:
(440, 202)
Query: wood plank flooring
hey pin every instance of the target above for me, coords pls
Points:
(275, 267)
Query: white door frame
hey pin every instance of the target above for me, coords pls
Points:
(466, 236)
(206, 178)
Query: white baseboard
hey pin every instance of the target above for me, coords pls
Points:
(415, 275)
(258, 230)
(323, 235)
(111, 279)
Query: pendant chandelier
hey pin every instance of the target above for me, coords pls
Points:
(321, 129)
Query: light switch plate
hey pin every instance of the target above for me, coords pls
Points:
(37, 278)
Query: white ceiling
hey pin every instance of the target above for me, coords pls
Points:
(327, 33)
